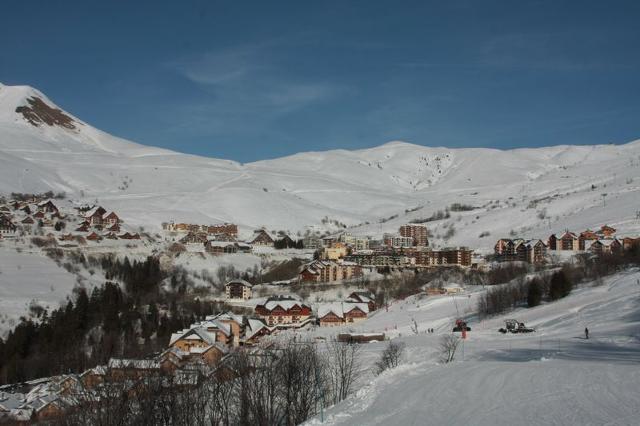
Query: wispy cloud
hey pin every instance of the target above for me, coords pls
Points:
(254, 77)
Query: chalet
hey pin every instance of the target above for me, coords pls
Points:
(262, 238)
(329, 271)
(334, 314)
(39, 215)
(331, 315)
(194, 337)
(223, 247)
(531, 251)
(194, 238)
(223, 238)
(606, 246)
(228, 229)
(254, 330)
(93, 377)
(354, 312)
(94, 216)
(235, 323)
(629, 243)
(587, 235)
(171, 359)
(47, 207)
(363, 297)
(283, 311)
(238, 289)
(607, 231)
(27, 221)
(569, 242)
(504, 248)
(111, 219)
(121, 369)
(6, 226)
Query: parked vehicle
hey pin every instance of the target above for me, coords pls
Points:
(461, 325)
(514, 326)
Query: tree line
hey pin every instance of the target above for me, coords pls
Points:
(91, 328)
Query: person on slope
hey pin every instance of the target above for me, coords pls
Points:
(586, 333)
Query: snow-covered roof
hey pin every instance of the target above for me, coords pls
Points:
(226, 316)
(199, 331)
(328, 308)
(241, 282)
(138, 364)
(348, 307)
(284, 304)
(253, 327)
(92, 212)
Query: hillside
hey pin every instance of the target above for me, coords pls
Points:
(551, 377)
(44, 148)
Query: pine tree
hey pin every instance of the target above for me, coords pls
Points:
(534, 294)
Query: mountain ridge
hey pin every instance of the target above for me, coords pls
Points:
(321, 190)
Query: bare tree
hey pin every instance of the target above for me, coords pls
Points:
(390, 357)
(343, 368)
(448, 346)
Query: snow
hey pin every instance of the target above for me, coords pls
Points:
(551, 377)
(31, 278)
(148, 186)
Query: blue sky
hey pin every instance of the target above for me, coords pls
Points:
(255, 80)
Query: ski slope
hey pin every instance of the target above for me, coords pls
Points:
(510, 190)
(551, 377)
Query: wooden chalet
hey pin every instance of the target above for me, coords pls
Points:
(587, 235)
(194, 238)
(228, 229)
(254, 330)
(6, 226)
(569, 242)
(27, 221)
(94, 216)
(283, 311)
(111, 219)
(355, 312)
(128, 369)
(606, 246)
(363, 297)
(629, 243)
(47, 207)
(331, 315)
(93, 377)
(262, 238)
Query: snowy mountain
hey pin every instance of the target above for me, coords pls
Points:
(44, 148)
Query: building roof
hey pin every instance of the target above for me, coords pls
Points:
(138, 364)
(241, 282)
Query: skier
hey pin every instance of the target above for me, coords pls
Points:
(586, 333)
